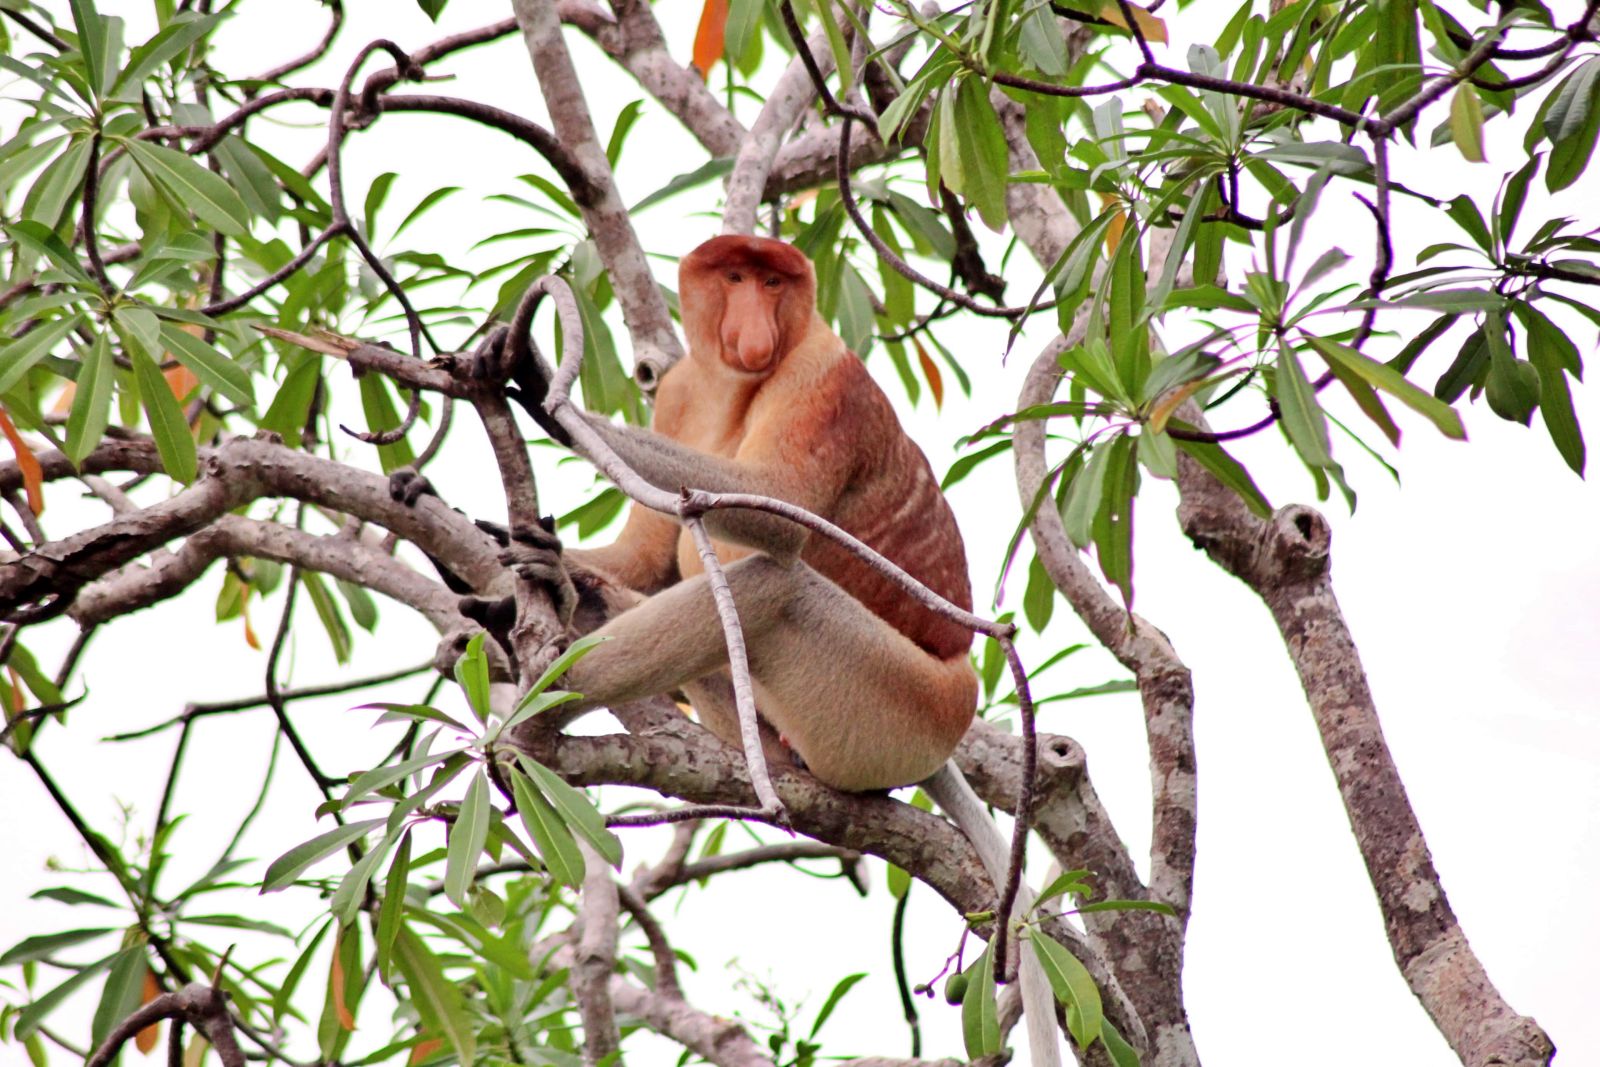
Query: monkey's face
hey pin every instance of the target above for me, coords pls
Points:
(746, 301)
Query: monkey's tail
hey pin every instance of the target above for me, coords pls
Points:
(949, 789)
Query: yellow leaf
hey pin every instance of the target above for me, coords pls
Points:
(1154, 30)
(1170, 401)
(1466, 122)
(1114, 228)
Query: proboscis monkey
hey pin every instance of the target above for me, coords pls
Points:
(868, 687)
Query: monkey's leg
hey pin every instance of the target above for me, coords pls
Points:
(863, 706)
(718, 711)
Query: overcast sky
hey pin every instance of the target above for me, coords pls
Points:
(1471, 593)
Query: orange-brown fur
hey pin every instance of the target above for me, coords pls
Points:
(770, 401)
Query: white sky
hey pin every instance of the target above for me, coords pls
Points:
(1471, 595)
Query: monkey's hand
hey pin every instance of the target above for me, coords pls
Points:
(533, 555)
(524, 375)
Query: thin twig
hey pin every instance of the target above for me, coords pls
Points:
(281, 71)
(744, 698)
(660, 949)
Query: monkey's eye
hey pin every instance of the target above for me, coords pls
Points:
(773, 282)
(735, 277)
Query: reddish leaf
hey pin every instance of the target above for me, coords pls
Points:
(336, 983)
(423, 1050)
(709, 36)
(930, 371)
(146, 1039)
(27, 463)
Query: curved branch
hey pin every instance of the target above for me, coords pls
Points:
(335, 21)
(644, 309)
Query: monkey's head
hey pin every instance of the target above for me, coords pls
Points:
(746, 301)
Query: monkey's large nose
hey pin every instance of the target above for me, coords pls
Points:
(750, 340)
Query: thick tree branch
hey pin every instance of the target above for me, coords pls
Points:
(644, 310)
(1285, 560)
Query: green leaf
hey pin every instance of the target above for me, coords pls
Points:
(121, 995)
(378, 408)
(555, 843)
(346, 982)
(64, 894)
(287, 867)
(1302, 417)
(472, 674)
(1113, 524)
(439, 1001)
(1512, 388)
(702, 174)
(40, 1009)
(1038, 599)
(1468, 368)
(1391, 381)
(1552, 355)
(1466, 122)
(433, 197)
(291, 981)
(577, 810)
(575, 651)
(1572, 122)
(1075, 882)
(980, 1022)
(193, 187)
(40, 946)
(210, 365)
(91, 401)
(1516, 193)
(363, 609)
(58, 185)
(328, 614)
(91, 29)
(168, 425)
(382, 777)
(1122, 1054)
(19, 356)
(394, 898)
(837, 44)
(844, 986)
(1466, 215)
(290, 408)
(467, 837)
(981, 145)
(1083, 497)
(174, 38)
(1073, 986)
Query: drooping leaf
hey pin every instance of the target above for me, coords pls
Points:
(980, 1020)
(709, 36)
(438, 1000)
(577, 810)
(1073, 986)
(556, 845)
(168, 425)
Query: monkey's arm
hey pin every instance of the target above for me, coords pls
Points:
(644, 556)
(800, 478)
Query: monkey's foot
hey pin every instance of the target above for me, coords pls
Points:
(407, 485)
(534, 555)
